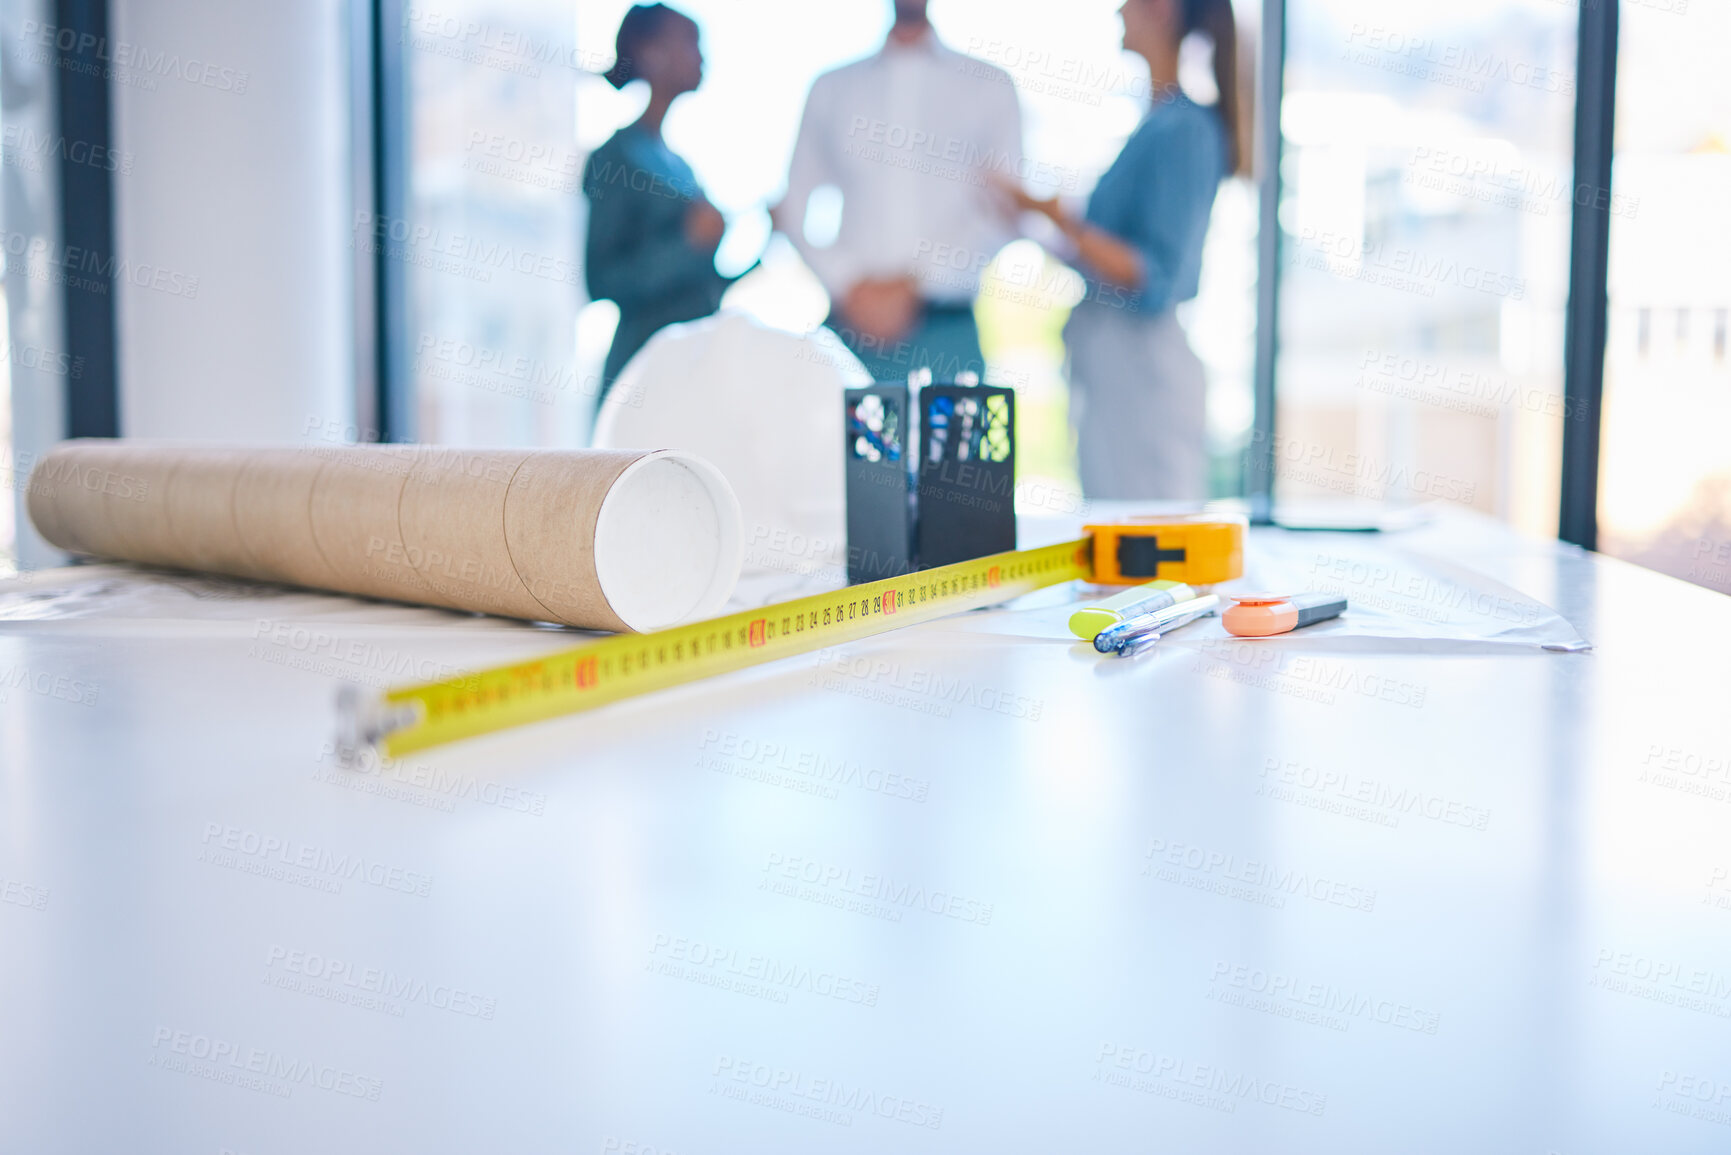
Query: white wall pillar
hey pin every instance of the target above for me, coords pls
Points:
(235, 307)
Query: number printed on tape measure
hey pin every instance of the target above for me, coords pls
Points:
(626, 665)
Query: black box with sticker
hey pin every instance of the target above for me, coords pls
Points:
(931, 476)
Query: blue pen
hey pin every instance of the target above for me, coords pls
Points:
(1113, 638)
(1145, 641)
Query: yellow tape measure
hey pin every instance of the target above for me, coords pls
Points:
(597, 673)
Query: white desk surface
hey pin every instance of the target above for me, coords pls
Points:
(963, 888)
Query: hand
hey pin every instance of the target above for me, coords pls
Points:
(1047, 207)
(704, 225)
(884, 310)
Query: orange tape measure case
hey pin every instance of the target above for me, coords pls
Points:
(1197, 549)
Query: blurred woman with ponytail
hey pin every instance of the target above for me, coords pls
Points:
(1137, 391)
(652, 232)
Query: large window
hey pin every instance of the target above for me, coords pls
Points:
(14, 475)
(37, 367)
(1426, 193)
(1427, 190)
(489, 233)
(1665, 465)
(1081, 97)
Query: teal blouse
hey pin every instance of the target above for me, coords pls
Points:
(637, 253)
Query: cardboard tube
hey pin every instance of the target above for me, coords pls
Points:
(42, 502)
(464, 561)
(67, 484)
(353, 509)
(273, 496)
(200, 508)
(662, 546)
(134, 502)
(602, 539)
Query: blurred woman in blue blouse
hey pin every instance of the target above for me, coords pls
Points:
(1138, 394)
(652, 232)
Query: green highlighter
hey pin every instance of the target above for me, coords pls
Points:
(1143, 599)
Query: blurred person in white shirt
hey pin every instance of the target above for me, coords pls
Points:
(912, 138)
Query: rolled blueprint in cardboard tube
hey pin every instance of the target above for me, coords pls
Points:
(601, 539)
